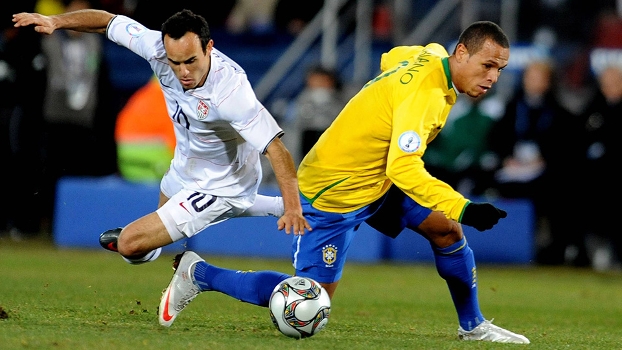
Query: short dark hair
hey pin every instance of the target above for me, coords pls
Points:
(474, 36)
(186, 21)
(325, 71)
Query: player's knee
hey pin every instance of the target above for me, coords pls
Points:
(440, 231)
(128, 245)
(446, 239)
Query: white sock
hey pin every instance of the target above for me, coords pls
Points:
(151, 256)
(266, 206)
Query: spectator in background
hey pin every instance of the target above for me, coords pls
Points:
(22, 85)
(569, 20)
(152, 17)
(567, 28)
(518, 136)
(459, 155)
(73, 142)
(293, 16)
(314, 109)
(529, 156)
(607, 31)
(144, 135)
(600, 153)
(252, 16)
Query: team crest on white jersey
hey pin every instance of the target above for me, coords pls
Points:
(329, 255)
(202, 110)
(135, 29)
(409, 141)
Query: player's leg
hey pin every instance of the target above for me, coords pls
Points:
(330, 288)
(109, 240)
(322, 255)
(454, 260)
(186, 214)
(254, 287)
(142, 240)
(142, 236)
(263, 206)
(194, 275)
(455, 263)
(453, 257)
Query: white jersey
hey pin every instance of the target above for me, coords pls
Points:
(221, 127)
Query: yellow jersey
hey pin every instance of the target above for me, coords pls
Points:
(380, 136)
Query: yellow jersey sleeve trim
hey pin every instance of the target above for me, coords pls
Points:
(462, 213)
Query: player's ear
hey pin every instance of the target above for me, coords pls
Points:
(462, 52)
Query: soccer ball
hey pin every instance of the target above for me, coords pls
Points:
(299, 307)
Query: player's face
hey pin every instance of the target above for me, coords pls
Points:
(187, 59)
(476, 73)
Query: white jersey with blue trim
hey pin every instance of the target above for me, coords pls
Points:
(221, 127)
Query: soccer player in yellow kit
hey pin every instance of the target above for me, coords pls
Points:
(367, 166)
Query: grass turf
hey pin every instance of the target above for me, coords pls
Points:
(82, 299)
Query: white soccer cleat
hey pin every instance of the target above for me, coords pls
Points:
(181, 290)
(486, 331)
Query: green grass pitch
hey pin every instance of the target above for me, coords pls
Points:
(84, 299)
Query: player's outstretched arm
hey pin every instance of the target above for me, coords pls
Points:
(285, 172)
(91, 20)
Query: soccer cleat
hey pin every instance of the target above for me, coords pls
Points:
(182, 289)
(486, 331)
(108, 240)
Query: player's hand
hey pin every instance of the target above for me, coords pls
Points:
(43, 24)
(293, 222)
(482, 216)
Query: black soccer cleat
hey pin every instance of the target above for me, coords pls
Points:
(108, 240)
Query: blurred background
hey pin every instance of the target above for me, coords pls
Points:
(83, 121)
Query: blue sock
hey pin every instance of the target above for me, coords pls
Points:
(456, 264)
(253, 287)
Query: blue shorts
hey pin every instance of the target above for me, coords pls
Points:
(321, 253)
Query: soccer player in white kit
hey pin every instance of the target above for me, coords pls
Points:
(220, 126)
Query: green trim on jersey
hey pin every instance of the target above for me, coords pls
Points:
(445, 61)
(311, 200)
(463, 209)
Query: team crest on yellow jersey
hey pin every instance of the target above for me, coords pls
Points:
(329, 255)
(409, 141)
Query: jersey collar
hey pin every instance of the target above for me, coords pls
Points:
(450, 84)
